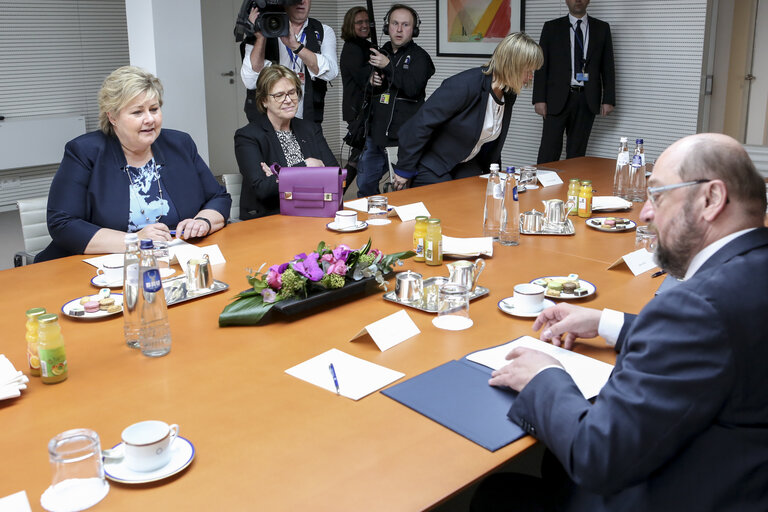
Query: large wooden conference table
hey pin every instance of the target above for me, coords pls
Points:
(265, 440)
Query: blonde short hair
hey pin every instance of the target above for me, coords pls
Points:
(120, 88)
(514, 55)
(268, 77)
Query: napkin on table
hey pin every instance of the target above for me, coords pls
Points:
(12, 381)
(609, 203)
(467, 247)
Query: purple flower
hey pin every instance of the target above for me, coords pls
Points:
(341, 252)
(309, 267)
(268, 295)
(274, 278)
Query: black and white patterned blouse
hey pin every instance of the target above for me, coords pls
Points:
(290, 145)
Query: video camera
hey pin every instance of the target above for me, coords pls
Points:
(272, 20)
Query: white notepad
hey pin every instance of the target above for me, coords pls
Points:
(357, 377)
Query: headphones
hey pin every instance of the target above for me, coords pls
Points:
(413, 13)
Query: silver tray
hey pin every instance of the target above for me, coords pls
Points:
(176, 290)
(568, 230)
(431, 306)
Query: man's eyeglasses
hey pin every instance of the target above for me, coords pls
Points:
(280, 96)
(654, 193)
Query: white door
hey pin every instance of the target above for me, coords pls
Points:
(224, 91)
(757, 113)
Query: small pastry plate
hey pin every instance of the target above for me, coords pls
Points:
(430, 286)
(586, 285)
(611, 224)
(72, 307)
(508, 306)
(100, 280)
(361, 225)
(182, 453)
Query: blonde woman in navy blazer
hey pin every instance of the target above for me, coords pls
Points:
(131, 177)
(461, 128)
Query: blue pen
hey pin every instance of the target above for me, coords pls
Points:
(173, 232)
(335, 380)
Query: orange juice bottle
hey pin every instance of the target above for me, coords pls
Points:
(574, 186)
(50, 347)
(419, 234)
(585, 199)
(433, 244)
(32, 357)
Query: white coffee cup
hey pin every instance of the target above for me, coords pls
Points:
(529, 297)
(147, 444)
(346, 219)
(111, 275)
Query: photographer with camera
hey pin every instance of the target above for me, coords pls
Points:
(309, 50)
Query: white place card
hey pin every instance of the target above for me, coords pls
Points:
(356, 377)
(639, 261)
(187, 252)
(16, 502)
(390, 330)
(360, 205)
(411, 211)
(548, 178)
(107, 260)
(589, 374)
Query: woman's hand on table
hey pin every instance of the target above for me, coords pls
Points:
(564, 323)
(314, 162)
(157, 231)
(192, 228)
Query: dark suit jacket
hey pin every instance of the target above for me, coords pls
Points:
(552, 82)
(257, 142)
(446, 128)
(355, 72)
(682, 423)
(90, 190)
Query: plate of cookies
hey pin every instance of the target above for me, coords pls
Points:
(566, 287)
(90, 307)
(611, 224)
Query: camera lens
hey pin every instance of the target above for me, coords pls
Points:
(273, 24)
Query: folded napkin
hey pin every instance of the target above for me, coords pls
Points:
(12, 381)
(467, 247)
(610, 203)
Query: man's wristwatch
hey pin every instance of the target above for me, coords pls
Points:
(297, 50)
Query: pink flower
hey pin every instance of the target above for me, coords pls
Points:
(339, 267)
(268, 295)
(328, 257)
(274, 279)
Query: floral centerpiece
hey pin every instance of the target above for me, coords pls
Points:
(323, 269)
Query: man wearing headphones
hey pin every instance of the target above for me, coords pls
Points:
(399, 79)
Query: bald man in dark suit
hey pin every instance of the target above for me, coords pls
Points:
(576, 81)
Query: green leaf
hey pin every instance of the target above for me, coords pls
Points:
(244, 311)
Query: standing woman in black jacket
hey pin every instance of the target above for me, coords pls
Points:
(355, 72)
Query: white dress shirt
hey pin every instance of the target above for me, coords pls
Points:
(585, 31)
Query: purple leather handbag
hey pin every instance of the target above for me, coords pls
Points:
(311, 191)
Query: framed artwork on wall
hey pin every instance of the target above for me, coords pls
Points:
(473, 28)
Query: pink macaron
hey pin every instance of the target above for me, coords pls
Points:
(91, 306)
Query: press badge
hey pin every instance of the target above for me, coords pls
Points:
(384, 98)
(407, 62)
(582, 77)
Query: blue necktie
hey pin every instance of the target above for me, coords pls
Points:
(578, 50)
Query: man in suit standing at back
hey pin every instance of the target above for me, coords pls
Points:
(576, 81)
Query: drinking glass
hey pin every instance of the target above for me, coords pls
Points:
(377, 211)
(452, 308)
(78, 473)
(163, 255)
(645, 239)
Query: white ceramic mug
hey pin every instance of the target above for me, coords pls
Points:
(529, 297)
(147, 444)
(346, 219)
(111, 275)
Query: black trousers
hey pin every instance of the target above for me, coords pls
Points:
(462, 170)
(575, 121)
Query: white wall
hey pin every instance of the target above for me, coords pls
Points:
(165, 38)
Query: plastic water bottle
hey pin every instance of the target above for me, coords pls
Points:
(131, 314)
(510, 225)
(155, 337)
(637, 174)
(494, 204)
(621, 176)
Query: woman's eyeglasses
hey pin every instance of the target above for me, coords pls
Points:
(280, 96)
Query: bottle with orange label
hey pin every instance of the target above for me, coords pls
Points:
(585, 199)
(50, 347)
(32, 356)
(433, 244)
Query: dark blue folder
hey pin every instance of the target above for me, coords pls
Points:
(457, 395)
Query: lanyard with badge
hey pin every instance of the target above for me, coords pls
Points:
(386, 95)
(295, 60)
(579, 44)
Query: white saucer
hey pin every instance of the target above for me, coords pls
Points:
(452, 322)
(531, 187)
(182, 453)
(361, 224)
(100, 281)
(508, 306)
(378, 222)
(67, 308)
